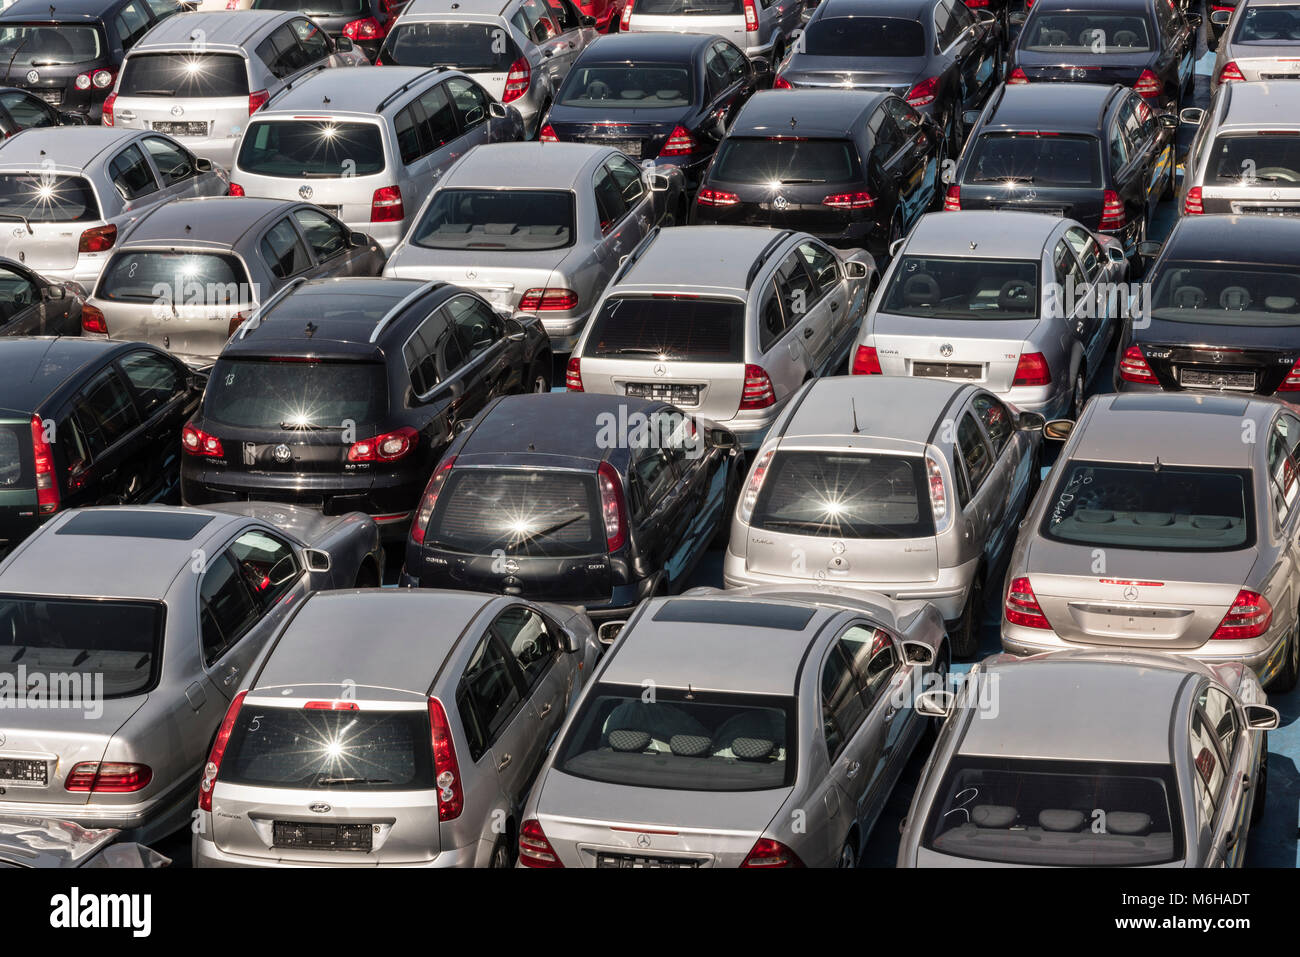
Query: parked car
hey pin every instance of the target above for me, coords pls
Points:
(187, 274)
(1096, 154)
(23, 110)
(1020, 303)
(777, 727)
(1150, 761)
(65, 193)
(364, 22)
(725, 322)
(341, 395)
(151, 617)
(663, 99)
(763, 30)
(31, 305)
(519, 50)
(86, 423)
(590, 500)
(1220, 13)
(1262, 43)
(538, 228)
(1187, 546)
(205, 97)
(409, 753)
(853, 169)
(37, 842)
(366, 146)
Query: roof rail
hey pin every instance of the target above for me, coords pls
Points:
(766, 252)
(393, 313)
(635, 254)
(294, 82)
(406, 86)
(255, 320)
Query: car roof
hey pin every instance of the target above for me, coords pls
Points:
(548, 421)
(718, 257)
(33, 369)
(70, 147)
(225, 27)
(348, 90)
(1260, 240)
(1194, 430)
(205, 220)
(904, 408)
(408, 634)
(1258, 104)
(267, 330)
(39, 10)
(1096, 6)
(530, 165)
(1064, 107)
(642, 47)
(823, 113)
(909, 9)
(982, 234)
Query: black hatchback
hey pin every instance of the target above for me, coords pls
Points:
(341, 394)
(580, 498)
(86, 422)
(365, 22)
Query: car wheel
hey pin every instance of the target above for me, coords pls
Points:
(966, 638)
(1285, 680)
(1260, 800)
(501, 855)
(848, 855)
(366, 577)
(539, 376)
(1080, 396)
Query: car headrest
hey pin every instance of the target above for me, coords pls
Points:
(1189, 297)
(628, 739)
(752, 749)
(1234, 297)
(1218, 522)
(1128, 822)
(1060, 819)
(920, 288)
(1125, 38)
(993, 815)
(1153, 518)
(688, 745)
(1094, 516)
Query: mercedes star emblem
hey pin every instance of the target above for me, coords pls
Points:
(945, 350)
(643, 840)
(471, 273)
(1130, 593)
(2, 739)
(281, 453)
(661, 370)
(304, 191)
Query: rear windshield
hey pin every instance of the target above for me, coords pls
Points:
(315, 8)
(1056, 813)
(844, 495)
(461, 46)
(293, 394)
(1136, 506)
(76, 644)
(964, 289)
(686, 8)
(317, 749)
(184, 74)
(1269, 24)
(46, 198)
(312, 149)
(669, 327)
(181, 278)
(646, 86)
(49, 44)
(785, 160)
(509, 219)
(1037, 159)
(518, 511)
(709, 742)
(1091, 32)
(864, 37)
(1255, 159)
(1228, 294)
(15, 456)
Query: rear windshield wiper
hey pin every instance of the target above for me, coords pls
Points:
(549, 530)
(791, 182)
(328, 782)
(22, 219)
(307, 427)
(1003, 179)
(152, 93)
(632, 351)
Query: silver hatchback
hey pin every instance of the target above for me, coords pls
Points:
(1261, 42)
(762, 28)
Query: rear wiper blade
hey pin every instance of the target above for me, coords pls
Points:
(788, 182)
(22, 219)
(307, 427)
(1003, 179)
(152, 93)
(549, 530)
(632, 351)
(327, 782)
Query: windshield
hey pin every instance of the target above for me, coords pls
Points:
(181, 278)
(1227, 294)
(875, 37)
(963, 289)
(517, 511)
(1056, 813)
(294, 394)
(667, 326)
(46, 198)
(645, 86)
(785, 160)
(184, 74)
(1256, 159)
(461, 46)
(1092, 32)
(683, 8)
(1138, 506)
(312, 149)
(1039, 159)
(508, 219)
(49, 44)
(1273, 25)
(685, 741)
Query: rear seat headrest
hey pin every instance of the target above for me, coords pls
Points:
(993, 815)
(1128, 822)
(1060, 819)
(628, 739)
(752, 749)
(689, 745)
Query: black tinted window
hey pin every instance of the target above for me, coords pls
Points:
(975, 289)
(283, 250)
(184, 74)
(754, 160)
(521, 512)
(131, 173)
(155, 378)
(270, 394)
(42, 198)
(105, 411)
(488, 691)
(189, 278)
(461, 46)
(307, 148)
(1044, 160)
(497, 219)
(227, 609)
(864, 37)
(628, 86)
(669, 326)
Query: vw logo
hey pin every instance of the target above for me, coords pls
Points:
(305, 191)
(281, 453)
(945, 350)
(1275, 195)
(1130, 593)
(320, 807)
(178, 110)
(661, 370)
(32, 76)
(780, 202)
(643, 840)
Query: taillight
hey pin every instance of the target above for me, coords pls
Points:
(111, 777)
(716, 197)
(1248, 617)
(866, 361)
(781, 83)
(625, 20)
(858, 200)
(1193, 204)
(1032, 369)
(92, 320)
(923, 93)
(679, 143)
(756, 477)
(1292, 381)
(47, 486)
(1133, 366)
(386, 205)
(446, 771)
(388, 447)
(758, 392)
(534, 849)
(547, 135)
(1112, 211)
(367, 28)
(938, 494)
(952, 199)
(106, 119)
(218, 750)
(430, 501)
(234, 189)
(517, 80)
(613, 508)
(751, 15)
(769, 853)
(99, 79)
(197, 442)
(573, 375)
(977, 3)
(331, 706)
(1017, 77)
(548, 300)
(97, 240)
(1148, 85)
(1022, 606)
(1231, 72)
(237, 320)
(257, 100)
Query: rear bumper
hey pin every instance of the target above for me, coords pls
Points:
(205, 853)
(564, 332)
(139, 822)
(85, 271)
(1050, 404)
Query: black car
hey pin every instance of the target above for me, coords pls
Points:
(1223, 317)
(852, 168)
(69, 53)
(935, 54)
(1225, 9)
(86, 422)
(340, 394)
(555, 497)
(21, 110)
(1148, 45)
(666, 97)
(365, 22)
(1098, 154)
(31, 305)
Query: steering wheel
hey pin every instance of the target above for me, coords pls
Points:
(599, 90)
(1013, 294)
(1278, 172)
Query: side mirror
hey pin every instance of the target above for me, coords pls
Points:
(935, 704)
(1030, 422)
(56, 292)
(1193, 19)
(723, 439)
(1262, 717)
(1058, 429)
(344, 45)
(496, 110)
(357, 240)
(896, 245)
(588, 21)
(1169, 121)
(69, 118)
(607, 632)
(202, 165)
(1149, 249)
(1192, 116)
(918, 653)
(317, 560)
(1115, 254)
(970, 117)
(856, 269)
(659, 183)
(1220, 18)
(514, 330)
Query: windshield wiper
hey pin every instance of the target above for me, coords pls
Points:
(307, 427)
(788, 182)
(632, 351)
(1003, 179)
(20, 218)
(328, 782)
(152, 93)
(549, 530)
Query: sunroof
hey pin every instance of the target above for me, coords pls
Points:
(129, 523)
(748, 614)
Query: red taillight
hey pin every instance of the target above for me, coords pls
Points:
(99, 79)
(257, 100)
(548, 300)
(977, 3)
(1112, 211)
(923, 93)
(97, 240)
(111, 777)
(938, 494)
(237, 320)
(857, 200)
(92, 320)
(219, 743)
(47, 486)
(1032, 369)
(1133, 366)
(751, 15)
(1022, 606)
(367, 28)
(1248, 617)
(547, 135)
(534, 849)
(679, 143)
(1231, 72)
(234, 189)
(386, 205)
(1017, 77)
(388, 447)
(1292, 381)
(952, 199)
(517, 80)
(1193, 204)
(781, 83)
(197, 442)
(625, 20)
(1148, 85)
(446, 771)
(430, 501)
(331, 706)
(750, 498)
(613, 508)
(716, 197)
(1215, 6)
(573, 375)
(769, 853)
(106, 118)
(758, 392)
(866, 361)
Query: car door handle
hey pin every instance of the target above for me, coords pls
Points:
(809, 332)
(504, 762)
(231, 674)
(853, 769)
(835, 307)
(889, 715)
(544, 710)
(127, 115)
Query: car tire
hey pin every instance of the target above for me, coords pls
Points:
(1285, 680)
(501, 853)
(367, 576)
(965, 639)
(1260, 800)
(539, 375)
(1079, 396)
(848, 858)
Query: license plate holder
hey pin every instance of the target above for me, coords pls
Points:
(24, 771)
(182, 127)
(947, 370)
(631, 861)
(52, 97)
(321, 836)
(631, 147)
(1201, 379)
(675, 392)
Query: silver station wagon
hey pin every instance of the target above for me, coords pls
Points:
(911, 488)
(724, 322)
(413, 746)
(1171, 523)
(1092, 759)
(753, 729)
(538, 227)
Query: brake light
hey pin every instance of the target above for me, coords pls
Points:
(547, 135)
(1215, 6)
(218, 750)
(573, 375)
(430, 500)
(679, 143)
(1133, 366)
(1292, 381)
(758, 392)
(750, 498)
(47, 486)
(234, 189)
(1112, 211)
(97, 240)
(106, 117)
(197, 442)
(866, 361)
(534, 849)
(331, 706)
(769, 853)
(781, 83)
(613, 508)
(716, 197)
(751, 16)
(257, 100)
(99, 79)
(1248, 617)
(388, 447)
(517, 80)
(111, 777)
(952, 199)
(938, 494)
(1032, 369)
(367, 28)
(92, 320)
(1022, 606)
(1231, 72)
(977, 3)
(548, 300)
(857, 200)
(446, 770)
(237, 320)
(1148, 85)
(625, 20)
(1017, 77)
(923, 93)
(386, 205)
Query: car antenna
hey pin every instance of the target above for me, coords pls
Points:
(310, 330)
(853, 404)
(1156, 467)
(793, 122)
(325, 100)
(690, 693)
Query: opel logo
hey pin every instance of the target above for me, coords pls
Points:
(320, 807)
(661, 370)
(178, 110)
(780, 202)
(945, 350)
(305, 191)
(32, 76)
(281, 453)
(511, 566)
(1130, 593)
(643, 840)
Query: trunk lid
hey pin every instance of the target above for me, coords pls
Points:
(501, 277)
(980, 351)
(1217, 357)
